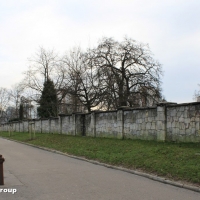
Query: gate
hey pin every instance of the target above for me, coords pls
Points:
(83, 125)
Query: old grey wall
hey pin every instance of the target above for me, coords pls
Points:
(66, 124)
(183, 123)
(141, 124)
(38, 127)
(45, 126)
(54, 125)
(89, 125)
(164, 122)
(25, 126)
(107, 124)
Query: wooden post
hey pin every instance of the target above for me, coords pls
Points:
(1, 170)
(10, 130)
(32, 130)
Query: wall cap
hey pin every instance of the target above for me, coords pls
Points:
(123, 107)
(166, 103)
(74, 113)
(63, 115)
(53, 118)
(185, 104)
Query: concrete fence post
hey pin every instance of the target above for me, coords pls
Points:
(15, 127)
(93, 123)
(40, 125)
(22, 126)
(73, 123)
(120, 123)
(60, 124)
(49, 125)
(162, 120)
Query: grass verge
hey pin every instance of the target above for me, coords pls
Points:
(176, 161)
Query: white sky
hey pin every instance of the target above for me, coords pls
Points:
(170, 27)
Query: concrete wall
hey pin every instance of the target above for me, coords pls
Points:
(54, 125)
(38, 127)
(67, 124)
(45, 126)
(141, 124)
(183, 123)
(107, 125)
(89, 124)
(25, 126)
(164, 122)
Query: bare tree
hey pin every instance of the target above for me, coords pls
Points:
(45, 64)
(29, 106)
(4, 103)
(111, 75)
(82, 82)
(127, 69)
(15, 95)
(196, 96)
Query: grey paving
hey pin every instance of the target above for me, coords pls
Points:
(42, 175)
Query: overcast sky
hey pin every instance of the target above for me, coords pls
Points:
(170, 27)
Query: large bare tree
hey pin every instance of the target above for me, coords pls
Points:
(111, 75)
(45, 64)
(127, 69)
(42, 65)
(82, 82)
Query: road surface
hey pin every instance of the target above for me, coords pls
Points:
(40, 175)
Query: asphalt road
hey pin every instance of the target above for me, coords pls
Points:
(42, 175)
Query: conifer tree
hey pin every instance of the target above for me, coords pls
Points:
(21, 111)
(48, 101)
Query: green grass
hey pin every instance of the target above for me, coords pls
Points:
(177, 161)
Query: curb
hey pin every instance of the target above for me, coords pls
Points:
(149, 176)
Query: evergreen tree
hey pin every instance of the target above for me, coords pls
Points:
(48, 101)
(21, 111)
